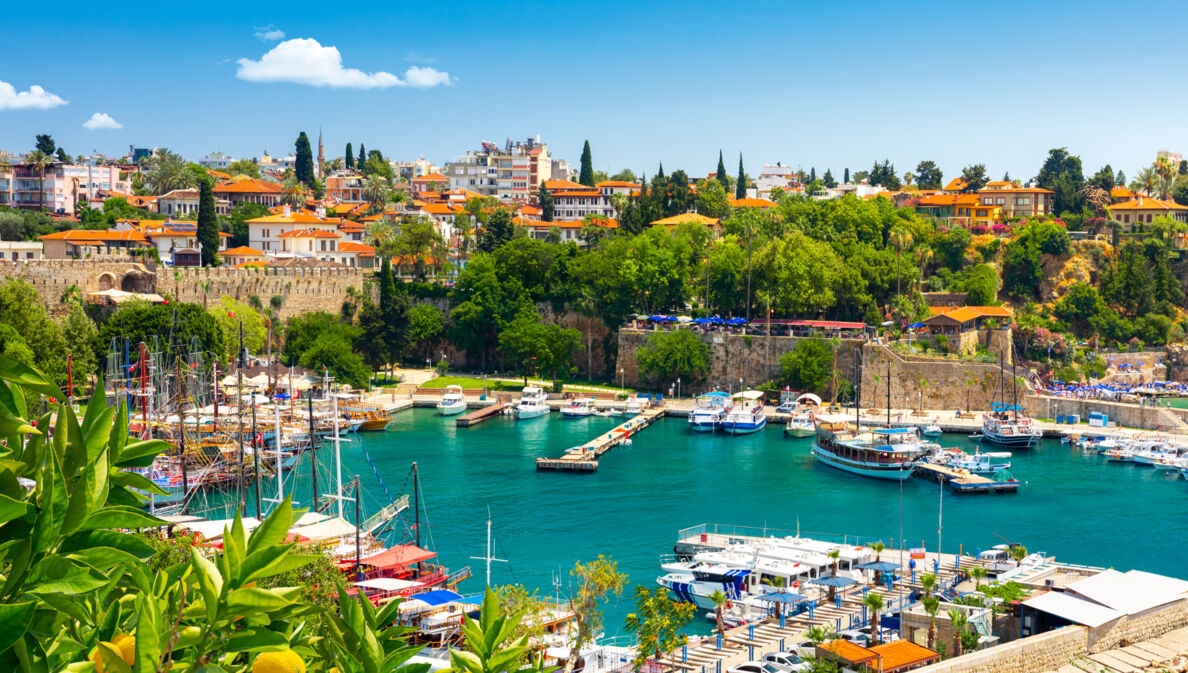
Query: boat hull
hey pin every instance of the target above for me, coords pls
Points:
(529, 413)
(375, 425)
(583, 413)
(889, 472)
(703, 426)
(1013, 441)
(743, 427)
(800, 432)
(451, 409)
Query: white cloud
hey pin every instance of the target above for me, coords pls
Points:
(35, 98)
(269, 33)
(306, 61)
(101, 120)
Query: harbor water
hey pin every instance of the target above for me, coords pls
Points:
(1073, 504)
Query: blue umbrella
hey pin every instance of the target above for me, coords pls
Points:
(781, 598)
(736, 321)
(833, 581)
(280, 396)
(881, 566)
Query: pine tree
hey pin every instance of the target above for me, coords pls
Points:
(740, 189)
(208, 227)
(722, 177)
(828, 179)
(846, 179)
(350, 158)
(303, 168)
(660, 173)
(586, 176)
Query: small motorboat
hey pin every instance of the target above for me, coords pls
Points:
(609, 413)
(452, 401)
(578, 407)
(933, 429)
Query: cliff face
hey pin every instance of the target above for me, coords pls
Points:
(1081, 265)
(1177, 362)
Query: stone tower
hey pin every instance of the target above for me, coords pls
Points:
(321, 157)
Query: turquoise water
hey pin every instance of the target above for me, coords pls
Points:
(1073, 504)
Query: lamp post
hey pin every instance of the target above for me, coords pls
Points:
(621, 386)
(678, 387)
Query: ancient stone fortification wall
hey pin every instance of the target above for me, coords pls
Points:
(303, 289)
(753, 359)
(937, 383)
(1045, 652)
(1125, 414)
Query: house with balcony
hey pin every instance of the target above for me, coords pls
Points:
(1140, 211)
(1015, 201)
(568, 230)
(249, 190)
(83, 243)
(60, 187)
(264, 233)
(183, 202)
(345, 189)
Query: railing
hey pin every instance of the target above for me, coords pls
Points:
(694, 533)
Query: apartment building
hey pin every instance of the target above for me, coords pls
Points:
(512, 173)
(60, 188)
(265, 233)
(574, 201)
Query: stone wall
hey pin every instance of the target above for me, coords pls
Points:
(1123, 413)
(753, 359)
(934, 383)
(1045, 652)
(1137, 628)
(51, 277)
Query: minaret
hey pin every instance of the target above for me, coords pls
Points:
(321, 156)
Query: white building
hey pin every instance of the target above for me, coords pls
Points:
(216, 160)
(264, 233)
(182, 202)
(512, 173)
(15, 251)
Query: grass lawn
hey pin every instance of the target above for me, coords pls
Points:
(474, 382)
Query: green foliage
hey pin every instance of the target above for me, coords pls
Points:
(528, 346)
(597, 580)
(498, 230)
(950, 247)
(303, 166)
(208, 224)
(426, 324)
(489, 644)
(740, 185)
(26, 225)
(41, 341)
(235, 223)
(884, 174)
(975, 178)
(1140, 279)
(711, 199)
(1062, 174)
(657, 622)
(928, 175)
(809, 366)
(722, 178)
(676, 354)
(1081, 307)
(229, 313)
(1022, 269)
(586, 175)
(138, 321)
(349, 159)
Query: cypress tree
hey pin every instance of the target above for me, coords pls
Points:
(208, 228)
(660, 173)
(350, 158)
(722, 178)
(547, 205)
(812, 174)
(303, 168)
(740, 190)
(846, 179)
(362, 156)
(828, 179)
(586, 177)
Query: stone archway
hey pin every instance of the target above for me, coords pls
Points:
(106, 281)
(128, 284)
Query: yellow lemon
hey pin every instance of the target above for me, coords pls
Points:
(284, 661)
(124, 643)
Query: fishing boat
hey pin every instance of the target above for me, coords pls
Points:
(452, 401)
(578, 407)
(708, 410)
(371, 419)
(989, 462)
(534, 403)
(882, 453)
(1119, 455)
(635, 405)
(746, 415)
(802, 415)
(1006, 425)
(933, 429)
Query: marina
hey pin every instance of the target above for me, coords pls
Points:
(584, 458)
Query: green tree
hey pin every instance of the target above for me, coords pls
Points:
(808, 366)
(349, 160)
(958, 620)
(740, 185)
(932, 607)
(498, 230)
(928, 175)
(79, 332)
(723, 179)
(800, 273)
(846, 177)
(303, 166)
(657, 622)
(229, 313)
(676, 354)
(482, 305)
(711, 200)
(874, 604)
(488, 644)
(44, 143)
(22, 309)
(139, 322)
(586, 175)
(828, 180)
(1080, 307)
(376, 191)
(166, 171)
(597, 580)
(339, 358)
(544, 198)
(1062, 174)
(208, 224)
(244, 167)
(426, 324)
(974, 177)
(237, 222)
(40, 161)
(528, 346)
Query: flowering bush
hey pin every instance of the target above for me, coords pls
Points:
(1039, 343)
(1000, 228)
(977, 229)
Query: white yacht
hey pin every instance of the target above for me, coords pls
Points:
(708, 411)
(533, 403)
(1006, 425)
(746, 415)
(578, 407)
(635, 405)
(452, 401)
(933, 429)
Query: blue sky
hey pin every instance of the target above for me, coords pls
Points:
(808, 84)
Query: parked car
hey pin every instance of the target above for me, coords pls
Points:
(786, 661)
(755, 667)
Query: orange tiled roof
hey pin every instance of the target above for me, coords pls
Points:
(1122, 193)
(432, 177)
(564, 184)
(967, 313)
(441, 209)
(752, 203)
(356, 247)
(248, 186)
(531, 210)
(218, 175)
(1147, 203)
(72, 235)
(902, 653)
(309, 233)
(243, 251)
(616, 183)
(949, 200)
(295, 217)
(955, 185)
(686, 217)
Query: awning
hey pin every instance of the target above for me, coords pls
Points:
(387, 584)
(325, 530)
(398, 557)
(438, 597)
(881, 566)
(1073, 609)
(833, 581)
(213, 529)
(778, 597)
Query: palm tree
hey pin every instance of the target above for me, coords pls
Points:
(969, 384)
(293, 193)
(958, 619)
(177, 276)
(40, 161)
(718, 598)
(376, 191)
(820, 634)
(874, 603)
(166, 171)
(901, 238)
(877, 548)
(834, 554)
(978, 573)
(931, 606)
(928, 583)
(1145, 180)
(1167, 172)
(205, 292)
(384, 236)
(1018, 552)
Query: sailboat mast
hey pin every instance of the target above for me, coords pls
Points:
(337, 455)
(358, 544)
(181, 425)
(239, 415)
(1014, 388)
(888, 393)
(256, 459)
(416, 504)
(280, 490)
(1001, 373)
(313, 452)
(858, 389)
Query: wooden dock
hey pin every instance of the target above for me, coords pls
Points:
(965, 482)
(486, 413)
(584, 458)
